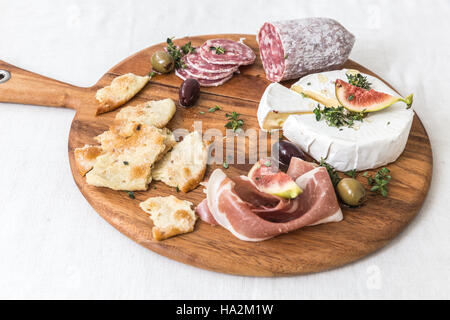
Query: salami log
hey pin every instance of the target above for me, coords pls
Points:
(290, 49)
(225, 51)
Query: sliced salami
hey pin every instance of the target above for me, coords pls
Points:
(181, 73)
(197, 74)
(225, 51)
(290, 49)
(195, 61)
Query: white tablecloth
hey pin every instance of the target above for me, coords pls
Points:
(54, 245)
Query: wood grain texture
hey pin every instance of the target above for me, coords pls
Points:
(311, 249)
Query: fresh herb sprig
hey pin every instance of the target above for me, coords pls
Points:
(359, 80)
(338, 116)
(380, 181)
(215, 108)
(234, 122)
(351, 173)
(219, 50)
(178, 53)
(187, 48)
(334, 176)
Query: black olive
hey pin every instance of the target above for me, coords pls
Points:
(283, 151)
(189, 92)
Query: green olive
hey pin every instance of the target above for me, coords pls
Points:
(351, 192)
(162, 62)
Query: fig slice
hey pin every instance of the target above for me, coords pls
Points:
(358, 99)
(268, 179)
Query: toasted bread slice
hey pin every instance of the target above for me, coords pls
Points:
(184, 167)
(126, 164)
(171, 216)
(141, 136)
(111, 171)
(121, 90)
(85, 157)
(151, 113)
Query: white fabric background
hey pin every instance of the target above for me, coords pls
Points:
(54, 245)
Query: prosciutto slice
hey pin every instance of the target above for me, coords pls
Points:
(251, 215)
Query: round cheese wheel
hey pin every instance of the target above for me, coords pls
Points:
(376, 141)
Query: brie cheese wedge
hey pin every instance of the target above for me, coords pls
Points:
(376, 141)
(279, 102)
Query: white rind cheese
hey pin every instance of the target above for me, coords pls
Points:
(376, 141)
(277, 103)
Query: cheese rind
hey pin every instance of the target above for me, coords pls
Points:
(376, 141)
(277, 103)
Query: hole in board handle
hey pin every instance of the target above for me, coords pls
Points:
(4, 76)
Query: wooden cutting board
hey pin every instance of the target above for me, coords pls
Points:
(311, 249)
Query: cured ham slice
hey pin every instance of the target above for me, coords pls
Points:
(251, 215)
(203, 212)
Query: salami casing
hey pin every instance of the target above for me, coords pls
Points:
(290, 49)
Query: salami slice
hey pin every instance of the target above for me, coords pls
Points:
(197, 74)
(195, 61)
(225, 51)
(290, 49)
(181, 73)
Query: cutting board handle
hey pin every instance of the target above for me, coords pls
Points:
(21, 86)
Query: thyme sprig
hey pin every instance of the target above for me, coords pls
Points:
(380, 181)
(359, 80)
(187, 48)
(177, 53)
(215, 108)
(234, 122)
(219, 50)
(338, 116)
(334, 176)
(351, 173)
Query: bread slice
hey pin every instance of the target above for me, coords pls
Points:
(126, 162)
(121, 90)
(171, 216)
(184, 167)
(152, 113)
(85, 157)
